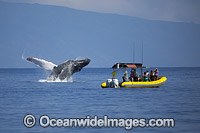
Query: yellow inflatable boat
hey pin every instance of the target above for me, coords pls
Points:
(139, 84)
(114, 83)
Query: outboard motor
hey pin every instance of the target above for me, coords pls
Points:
(108, 83)
(112, 83)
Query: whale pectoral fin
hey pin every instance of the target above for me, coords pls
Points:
(42, 63)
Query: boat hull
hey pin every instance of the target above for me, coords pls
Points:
(147, 84)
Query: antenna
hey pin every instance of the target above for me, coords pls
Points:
(142, 59)
(142, 52)
(133, 51)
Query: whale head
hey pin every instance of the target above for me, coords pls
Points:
(79, 64)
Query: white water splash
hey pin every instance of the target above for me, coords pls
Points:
(56, 80)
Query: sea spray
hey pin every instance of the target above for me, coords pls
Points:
(56, 80)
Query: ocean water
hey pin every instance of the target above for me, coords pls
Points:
(21, 94)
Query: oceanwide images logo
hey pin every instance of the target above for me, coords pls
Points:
(127, 123)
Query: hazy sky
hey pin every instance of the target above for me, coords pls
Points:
(58, 33)
(168, 10)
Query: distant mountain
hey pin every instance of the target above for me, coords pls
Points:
(59, 33)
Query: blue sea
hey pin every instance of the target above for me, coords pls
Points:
(21, 93)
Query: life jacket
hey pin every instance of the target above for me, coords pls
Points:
(114, 73)
(145, 78)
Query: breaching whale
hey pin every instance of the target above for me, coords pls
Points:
(62, 71)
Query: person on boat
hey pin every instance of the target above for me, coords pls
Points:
(133, 71)
(145, 77)
(136, 76)
(125, 77)
(148, 75)
(156, 73)
(152, 75)
(114, 74)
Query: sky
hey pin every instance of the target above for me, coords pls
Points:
(167, 10)
(102, 30)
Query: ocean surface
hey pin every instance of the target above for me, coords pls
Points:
(21, 93)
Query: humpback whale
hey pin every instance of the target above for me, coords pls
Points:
(62, 71)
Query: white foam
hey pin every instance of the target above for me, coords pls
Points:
(56, 80)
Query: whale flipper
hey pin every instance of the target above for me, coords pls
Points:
(42, 63)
